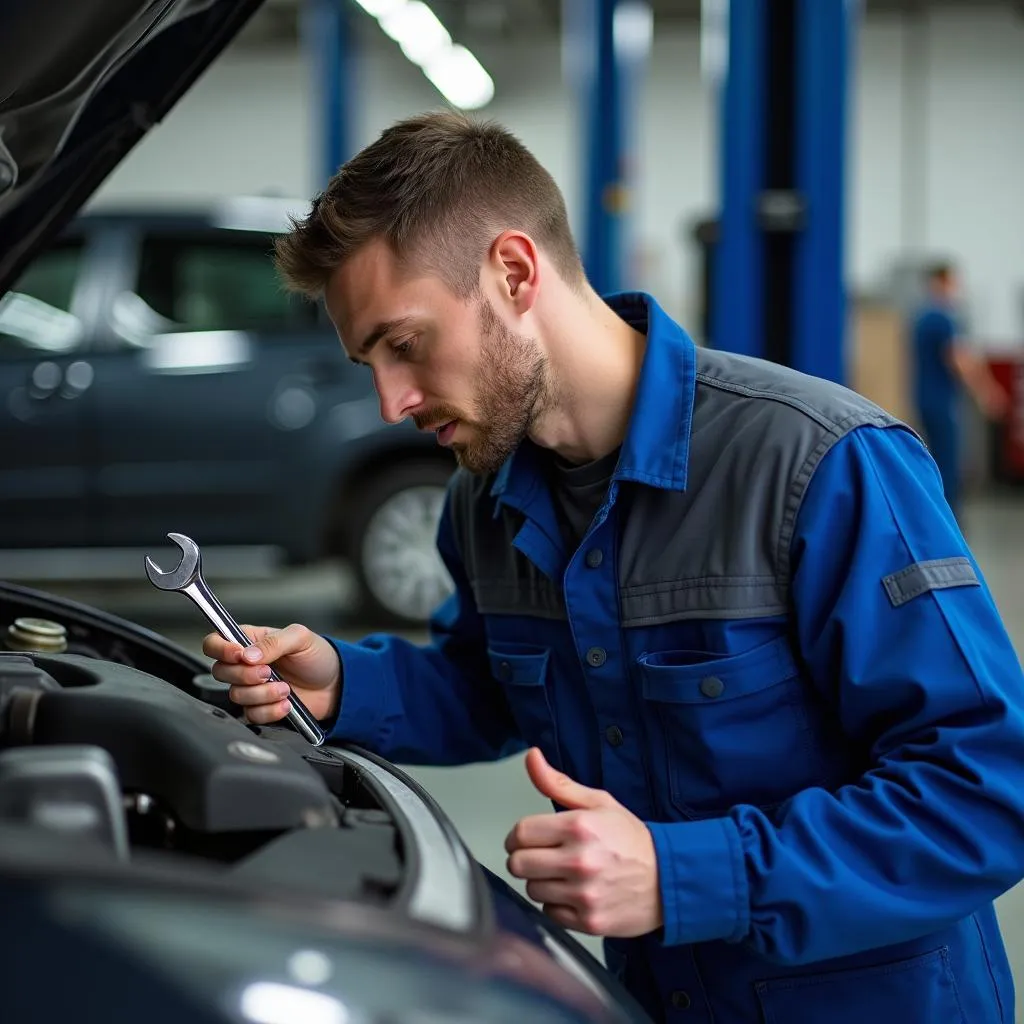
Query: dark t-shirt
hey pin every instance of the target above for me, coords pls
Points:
(578, 492)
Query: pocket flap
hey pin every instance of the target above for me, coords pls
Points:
(919, 990)
(519, 664)
(675, 677)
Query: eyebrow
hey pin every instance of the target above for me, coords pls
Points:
(382, 329)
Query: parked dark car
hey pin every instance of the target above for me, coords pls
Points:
(160, 859)
(154, 371)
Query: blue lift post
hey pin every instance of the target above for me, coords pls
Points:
(737, 298)
(779, 287)
(327, 39)
(823, 48)
(601, 82)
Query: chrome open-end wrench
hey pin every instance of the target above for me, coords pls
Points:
(188, 579)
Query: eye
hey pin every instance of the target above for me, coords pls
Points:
(404, 347)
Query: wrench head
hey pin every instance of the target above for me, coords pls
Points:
(188, 569)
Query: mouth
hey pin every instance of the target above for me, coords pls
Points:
(446, 433)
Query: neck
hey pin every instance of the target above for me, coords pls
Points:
(594, 360)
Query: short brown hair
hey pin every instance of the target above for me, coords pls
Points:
(940, 272)
(437, 188)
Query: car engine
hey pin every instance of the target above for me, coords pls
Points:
(113, 737)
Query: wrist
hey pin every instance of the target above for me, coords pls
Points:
(334, 688)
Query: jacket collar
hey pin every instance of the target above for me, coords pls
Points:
(656, 448)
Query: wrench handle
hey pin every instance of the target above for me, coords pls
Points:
(299, 716)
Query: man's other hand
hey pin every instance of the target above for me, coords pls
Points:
(592, 866)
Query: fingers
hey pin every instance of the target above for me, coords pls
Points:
(264, 693)
(539, 830)
(543, 863)
(240, 675)
(557, 786)
(567, 917)
(216, 647)
(558, 893)
(268, 646)
(267, 713)
(272, 644)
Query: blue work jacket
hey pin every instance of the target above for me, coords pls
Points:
(773, 646)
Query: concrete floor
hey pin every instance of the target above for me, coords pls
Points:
(484, 801)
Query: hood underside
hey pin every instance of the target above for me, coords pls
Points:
(81, 82)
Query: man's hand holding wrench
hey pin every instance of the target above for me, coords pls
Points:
(244, 654)
(301, 657)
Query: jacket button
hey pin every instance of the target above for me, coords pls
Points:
(680, 1000)
(712, 687)
(613, 734)
(596, 657)
(505, 671)
(595, 556)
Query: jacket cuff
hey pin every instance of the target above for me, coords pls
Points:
(704, 894)
(363, 696)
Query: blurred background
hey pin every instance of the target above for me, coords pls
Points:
(778, 175)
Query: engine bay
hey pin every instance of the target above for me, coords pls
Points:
(113, 739)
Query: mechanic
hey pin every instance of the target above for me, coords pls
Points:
(725, 606)
(945, 366)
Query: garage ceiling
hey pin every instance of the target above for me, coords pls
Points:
(475, 21)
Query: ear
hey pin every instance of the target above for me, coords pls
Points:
(515, 259)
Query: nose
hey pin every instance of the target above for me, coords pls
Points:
(398, 396)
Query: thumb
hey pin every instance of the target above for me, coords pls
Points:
(265, 639)
(557, 786)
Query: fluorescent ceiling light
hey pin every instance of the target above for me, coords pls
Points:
(424, 40)
(461, 78)
(416, 29)
(380, 8)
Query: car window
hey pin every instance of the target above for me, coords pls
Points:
(217, 282)
(35, 315)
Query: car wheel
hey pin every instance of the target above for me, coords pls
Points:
(401, 577)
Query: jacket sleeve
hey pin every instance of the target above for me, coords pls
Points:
(899, 632)
(436, 704)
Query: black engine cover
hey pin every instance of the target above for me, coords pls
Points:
(206, 768)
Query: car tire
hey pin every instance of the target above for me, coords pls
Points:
(400, 576)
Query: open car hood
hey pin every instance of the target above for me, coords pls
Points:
(81, 82)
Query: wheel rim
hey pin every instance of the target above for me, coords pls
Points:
(401, 566)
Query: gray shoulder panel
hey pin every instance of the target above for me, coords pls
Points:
(721, 547)
(809, 416)
(830, 405)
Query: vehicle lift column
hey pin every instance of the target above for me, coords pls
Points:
(327, 40)
(778, 284)
(606, 44)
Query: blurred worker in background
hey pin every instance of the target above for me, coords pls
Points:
(944, 366)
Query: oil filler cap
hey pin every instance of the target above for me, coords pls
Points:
(39, 635)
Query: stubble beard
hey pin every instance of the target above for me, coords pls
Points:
(512, 389)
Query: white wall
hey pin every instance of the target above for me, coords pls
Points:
(975, 188)
(936, 146)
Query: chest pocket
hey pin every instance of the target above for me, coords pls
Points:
(734, 728)
(522, 671)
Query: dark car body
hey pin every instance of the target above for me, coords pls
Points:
(166, 861)
(153, 370)
(160, 859)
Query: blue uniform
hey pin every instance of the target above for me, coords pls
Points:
(937, 392)
(774, 647)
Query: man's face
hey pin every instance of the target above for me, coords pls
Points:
(449, 364)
